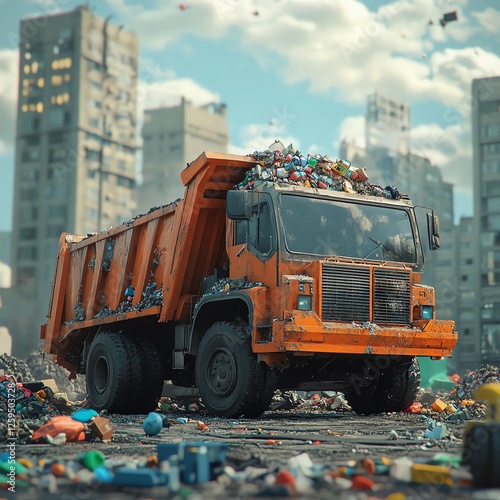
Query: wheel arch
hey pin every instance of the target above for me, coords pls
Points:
(233, 308)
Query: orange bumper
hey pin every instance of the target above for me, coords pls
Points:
(306, 334)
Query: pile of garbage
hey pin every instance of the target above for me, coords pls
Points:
(302, 401)
(472, 380)
(289, 166)
(38, 367)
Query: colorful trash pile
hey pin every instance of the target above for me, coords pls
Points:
(288, 166)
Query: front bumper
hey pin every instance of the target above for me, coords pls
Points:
(306, 334)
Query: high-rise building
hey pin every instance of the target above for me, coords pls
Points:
(485, 301)
(173, 137)
(389, 161)
(467, 352)
(387, 124)
(75, 142)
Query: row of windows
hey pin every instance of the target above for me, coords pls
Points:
(493, 148)
(490, 131)
(31, 233)
(30, 214)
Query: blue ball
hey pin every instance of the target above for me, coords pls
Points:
(153, 424)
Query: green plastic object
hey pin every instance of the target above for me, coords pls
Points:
(92, 459)
(429, 369)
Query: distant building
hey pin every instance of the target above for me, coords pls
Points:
(389, 161)
(466, 354)
(485, 290)
(75, 144)
(5, 246)
(387, 124)
(173, 137)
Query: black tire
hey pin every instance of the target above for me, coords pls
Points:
(390, 388)
(112, 374)
(230, 379)
(481, 453)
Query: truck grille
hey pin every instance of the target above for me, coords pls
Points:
(391, 296)
(347, 291)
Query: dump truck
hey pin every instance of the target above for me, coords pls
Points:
(238, 290)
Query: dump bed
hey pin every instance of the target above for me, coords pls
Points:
(151, 265)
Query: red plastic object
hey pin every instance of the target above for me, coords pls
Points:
(455, 378)
(286, 477)
(414, 408)
(56, 425)
(362, 483)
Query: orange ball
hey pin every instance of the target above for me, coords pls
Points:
(58, 469)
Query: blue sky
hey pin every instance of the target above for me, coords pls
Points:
(297, 70)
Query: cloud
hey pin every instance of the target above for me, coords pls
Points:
(337, 45)
(8, 97)
(352, 129)
(489, 19)
(449, 148)
(169, 92)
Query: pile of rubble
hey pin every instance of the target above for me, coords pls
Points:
(288, 166)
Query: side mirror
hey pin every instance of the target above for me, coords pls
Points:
(239, 205)
(433, 231)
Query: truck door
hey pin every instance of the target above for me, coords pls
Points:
(254, 242)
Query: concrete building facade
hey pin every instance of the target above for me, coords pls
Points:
(75, 141)
(485, 290)
(173, 137)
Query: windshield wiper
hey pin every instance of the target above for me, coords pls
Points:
(380, 244)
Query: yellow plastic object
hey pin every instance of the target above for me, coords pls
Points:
(490, 393)
(439, 405)
(431, 474)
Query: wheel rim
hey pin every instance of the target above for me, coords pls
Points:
(101, 374)
(221, 371)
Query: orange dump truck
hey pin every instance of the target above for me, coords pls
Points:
(241, 292)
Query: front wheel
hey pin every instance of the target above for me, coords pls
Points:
(229, 377)
(389, 384)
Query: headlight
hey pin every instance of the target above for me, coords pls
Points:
(304, 302)
(426, 312)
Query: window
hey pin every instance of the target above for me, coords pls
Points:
(91, 214)
(92, 194)
(465, 277)
(490, 340)
(121, 165)
(56, 137)
(28, 194)
(125, 182)
(31, 154)
(56, 191)
(55, 230)
(91, 154)
(490, 131)
(94, 122)
(56, 118)
(240, 232)
(466, 331)
(260, 232)
(28, 233)
(26, 276)
(57, 211)
(27, 253)
(92, 174)
(493, 148)
(30, 174)
(28, 214)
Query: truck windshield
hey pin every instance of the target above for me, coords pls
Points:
(338, 228)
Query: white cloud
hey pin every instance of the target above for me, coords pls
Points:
(169, 93)
(449, 148)
(336, 44)
(489, 19)
(8, 97)
(352, 129)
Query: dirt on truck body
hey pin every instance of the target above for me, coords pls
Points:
(240, 292)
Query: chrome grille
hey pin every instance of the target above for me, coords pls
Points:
(346, 293)
(391, 297)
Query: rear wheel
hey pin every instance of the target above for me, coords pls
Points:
(229, 377)
(152, 371)
(112, 373)
(388, 385)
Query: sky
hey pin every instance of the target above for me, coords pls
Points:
(295, 70)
